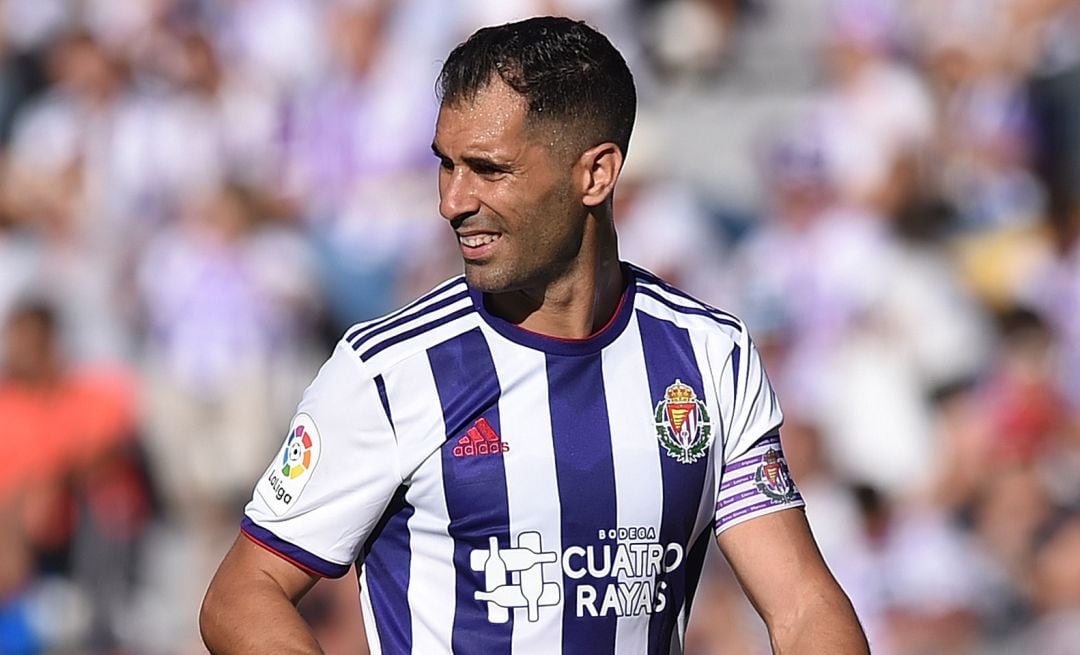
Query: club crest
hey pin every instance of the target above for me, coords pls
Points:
(772, 477)
(682, 424)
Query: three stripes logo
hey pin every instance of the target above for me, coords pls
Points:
(481, 439)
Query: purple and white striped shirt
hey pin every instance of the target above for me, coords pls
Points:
(507, 492)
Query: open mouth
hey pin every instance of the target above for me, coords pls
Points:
(474, 246)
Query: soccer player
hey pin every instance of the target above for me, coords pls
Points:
(533, 457)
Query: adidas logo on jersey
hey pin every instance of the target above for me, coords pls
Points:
(481, 439)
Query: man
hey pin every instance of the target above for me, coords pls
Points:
(532, 458)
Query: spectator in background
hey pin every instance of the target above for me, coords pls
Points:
(818, 269)
(680, 247)
(941, 162)
(20, 78)
(1057, 590)
(194, 127)
(229, 304)
(876, 112)
(70, 479)
(985, 141)
(358, 150)
(1054, 283)
(55, 186)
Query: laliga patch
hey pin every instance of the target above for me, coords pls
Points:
(289, 473)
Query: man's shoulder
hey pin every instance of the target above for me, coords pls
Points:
(442, 313)
(665, 301)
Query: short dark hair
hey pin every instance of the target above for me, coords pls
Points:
(566, 71)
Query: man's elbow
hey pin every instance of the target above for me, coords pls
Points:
(822, 621)
(210, 618)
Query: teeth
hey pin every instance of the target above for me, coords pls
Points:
(478, 240)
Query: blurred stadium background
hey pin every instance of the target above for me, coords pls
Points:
(198, 197)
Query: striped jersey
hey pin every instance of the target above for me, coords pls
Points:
(506, 492)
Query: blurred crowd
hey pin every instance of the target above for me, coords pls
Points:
(197, 197)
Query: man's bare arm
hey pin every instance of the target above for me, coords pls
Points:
(779, 566)
(250, 606)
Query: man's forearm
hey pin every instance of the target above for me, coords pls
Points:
(826, 625)
(254, 617)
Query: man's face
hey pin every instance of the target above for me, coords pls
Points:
(507, 190)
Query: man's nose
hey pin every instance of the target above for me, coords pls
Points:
(457, 196)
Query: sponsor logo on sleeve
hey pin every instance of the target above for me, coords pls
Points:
(773, 479)
(291, 470)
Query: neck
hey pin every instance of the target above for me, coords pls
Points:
(576, 304)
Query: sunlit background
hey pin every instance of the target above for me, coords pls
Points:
(198, 197)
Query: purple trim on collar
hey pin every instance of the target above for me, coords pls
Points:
(557, 345)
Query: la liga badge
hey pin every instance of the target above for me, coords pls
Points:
(682, 424)
(291, 469)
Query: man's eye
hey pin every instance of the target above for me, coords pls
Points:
(446, 163)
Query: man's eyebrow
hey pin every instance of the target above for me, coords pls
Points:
(486, 164)
(476, 162)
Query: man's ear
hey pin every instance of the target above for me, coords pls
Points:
(599, 169)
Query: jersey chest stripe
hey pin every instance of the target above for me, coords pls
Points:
(387, 573)
(405, 318)
(434, 293)
(532, 487)
(637, 468)
(585, 474)
(669, 356)
(475, 487)
(736, 355)
(649, 278)
(693, 311)
(416, 331)
(380, 386)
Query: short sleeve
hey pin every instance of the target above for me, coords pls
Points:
(334, 475)
(752, 476)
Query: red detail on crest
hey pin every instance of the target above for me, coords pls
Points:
(677, 413)
(480, 439)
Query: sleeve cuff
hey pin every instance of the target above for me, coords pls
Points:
(292, 553)
(744, 515)
(755, 484)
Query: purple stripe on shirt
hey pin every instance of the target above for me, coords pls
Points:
(683, 309)
(752, 460)
(585, 475)
(416, 331)
(742, 495)
(743, 511)
(732, 482)
(474, 487)
(291, 552)
(386, 561)
(736, 355)
(669, 356)
(407, 318)
(407, 308)
(754, 456)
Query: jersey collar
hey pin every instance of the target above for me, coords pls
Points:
(557, 345)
